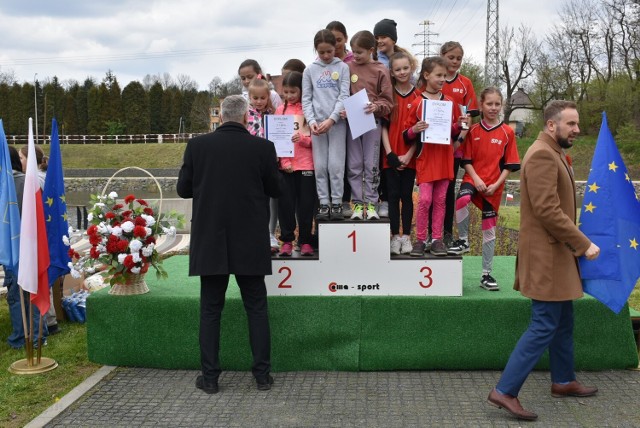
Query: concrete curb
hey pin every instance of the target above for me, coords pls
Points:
(70, 398)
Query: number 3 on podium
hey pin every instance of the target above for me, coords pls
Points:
(426, 273)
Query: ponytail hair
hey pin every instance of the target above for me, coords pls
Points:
(412, 59)
(260, 83)
(449, 46)
(365, 40)
(324, 36)
(428, 64)
(250, 63)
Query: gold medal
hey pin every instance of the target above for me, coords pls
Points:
(354, 78)
(335, 75)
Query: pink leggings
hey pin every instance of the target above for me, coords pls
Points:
(436, 192)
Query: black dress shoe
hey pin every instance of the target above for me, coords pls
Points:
(208, 387)
(264, 383)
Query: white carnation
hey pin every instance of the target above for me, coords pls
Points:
(136, 257)
(117, 230)
(135, 246)
(65, 240)
(99, 205)
(135, 270)
(113, 195)
(149, 219)
(121, 257)
(148, 229)
(103, 229)
(89, 216)
(70, 265)
(148, 250)
(75, 273)
(128, 226)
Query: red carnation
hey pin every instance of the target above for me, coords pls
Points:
(93, 252)
(112, 247)
(145, 268)
(117, 207)
(128, 262)
(150, 240)
(109, 215)
(126, 213)
(92, 230)
(73, 254)
(129, 198)
(142, 202)
(139, 231)
(113, 238)
(148, 211)
(139, 221)
(95, 239)
(123, 244)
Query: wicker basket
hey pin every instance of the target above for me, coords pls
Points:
(135, 284)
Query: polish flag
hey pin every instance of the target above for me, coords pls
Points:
(509, 197)
(34, 250)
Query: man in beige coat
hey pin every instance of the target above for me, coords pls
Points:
(547, 267)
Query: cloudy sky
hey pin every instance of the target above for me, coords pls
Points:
(74, 39)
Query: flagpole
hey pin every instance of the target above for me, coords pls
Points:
(39, 351)
(27, 337)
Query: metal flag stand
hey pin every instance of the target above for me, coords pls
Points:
(27, 366)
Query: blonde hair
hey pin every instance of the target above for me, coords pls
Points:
(258, 84)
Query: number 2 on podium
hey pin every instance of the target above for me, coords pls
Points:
(352, 235)
(283, 283)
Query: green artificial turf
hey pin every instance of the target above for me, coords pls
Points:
(475, 331)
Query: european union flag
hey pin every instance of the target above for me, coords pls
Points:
(611, 219)
(9, 211)
(55, 210)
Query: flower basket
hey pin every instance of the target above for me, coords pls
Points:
(123, 238)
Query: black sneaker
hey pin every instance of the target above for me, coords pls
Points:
(438, 248)
(208, 387)
(336, 212)
(459, 247)
(264, 384)
(323, 213)
(489, 283)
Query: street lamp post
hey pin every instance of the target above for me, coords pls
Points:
(35, 99)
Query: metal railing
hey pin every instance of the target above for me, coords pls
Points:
(110, 139)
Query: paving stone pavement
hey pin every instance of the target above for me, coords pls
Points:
(138, 397)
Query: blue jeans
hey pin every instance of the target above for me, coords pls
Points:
(551, 327)
(16, 339)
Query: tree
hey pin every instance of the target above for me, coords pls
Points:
(201, 112)
(517, 55)
(156, 106)
(135, 105)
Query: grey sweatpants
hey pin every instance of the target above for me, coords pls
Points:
(329, 152)
(363, 160)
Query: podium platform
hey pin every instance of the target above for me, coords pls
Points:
(477, 330)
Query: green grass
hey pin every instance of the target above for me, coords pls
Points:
(23, 397)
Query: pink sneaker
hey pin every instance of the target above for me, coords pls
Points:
(306, 250)
(286, 249)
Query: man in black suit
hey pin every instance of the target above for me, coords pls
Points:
(230, 175)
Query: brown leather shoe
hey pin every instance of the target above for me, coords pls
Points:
(572, 389)
(510, 404)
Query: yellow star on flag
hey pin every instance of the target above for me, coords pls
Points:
(49, 219)
(626, 177)
(633, 243)
(593, 187)
(64, 216)
(613, 166)
(63, 198)
(49, 201)
(590, 207)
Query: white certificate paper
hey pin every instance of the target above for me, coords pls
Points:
(279, 130)
(438, 115)
(359, 121)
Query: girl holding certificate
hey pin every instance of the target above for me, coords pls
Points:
(434, 165)
(363, 152)
(298, 197)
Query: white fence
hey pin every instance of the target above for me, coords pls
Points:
(108, 139)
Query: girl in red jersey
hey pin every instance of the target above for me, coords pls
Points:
(490, 153)
(460, 89)
(399, 166)
(434, 165)
(297, 201)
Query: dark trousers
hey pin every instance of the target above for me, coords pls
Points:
(551, 326)
(297, 201)
(254, 297)
(400, 188)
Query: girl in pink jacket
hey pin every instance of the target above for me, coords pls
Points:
(298, 197)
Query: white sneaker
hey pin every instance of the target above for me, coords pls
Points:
(371, 212)
(396, 243)
(274, 242)
(406, 246)
(358, 212)
(383, 209)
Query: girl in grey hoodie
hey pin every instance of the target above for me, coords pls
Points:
(325, 85)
